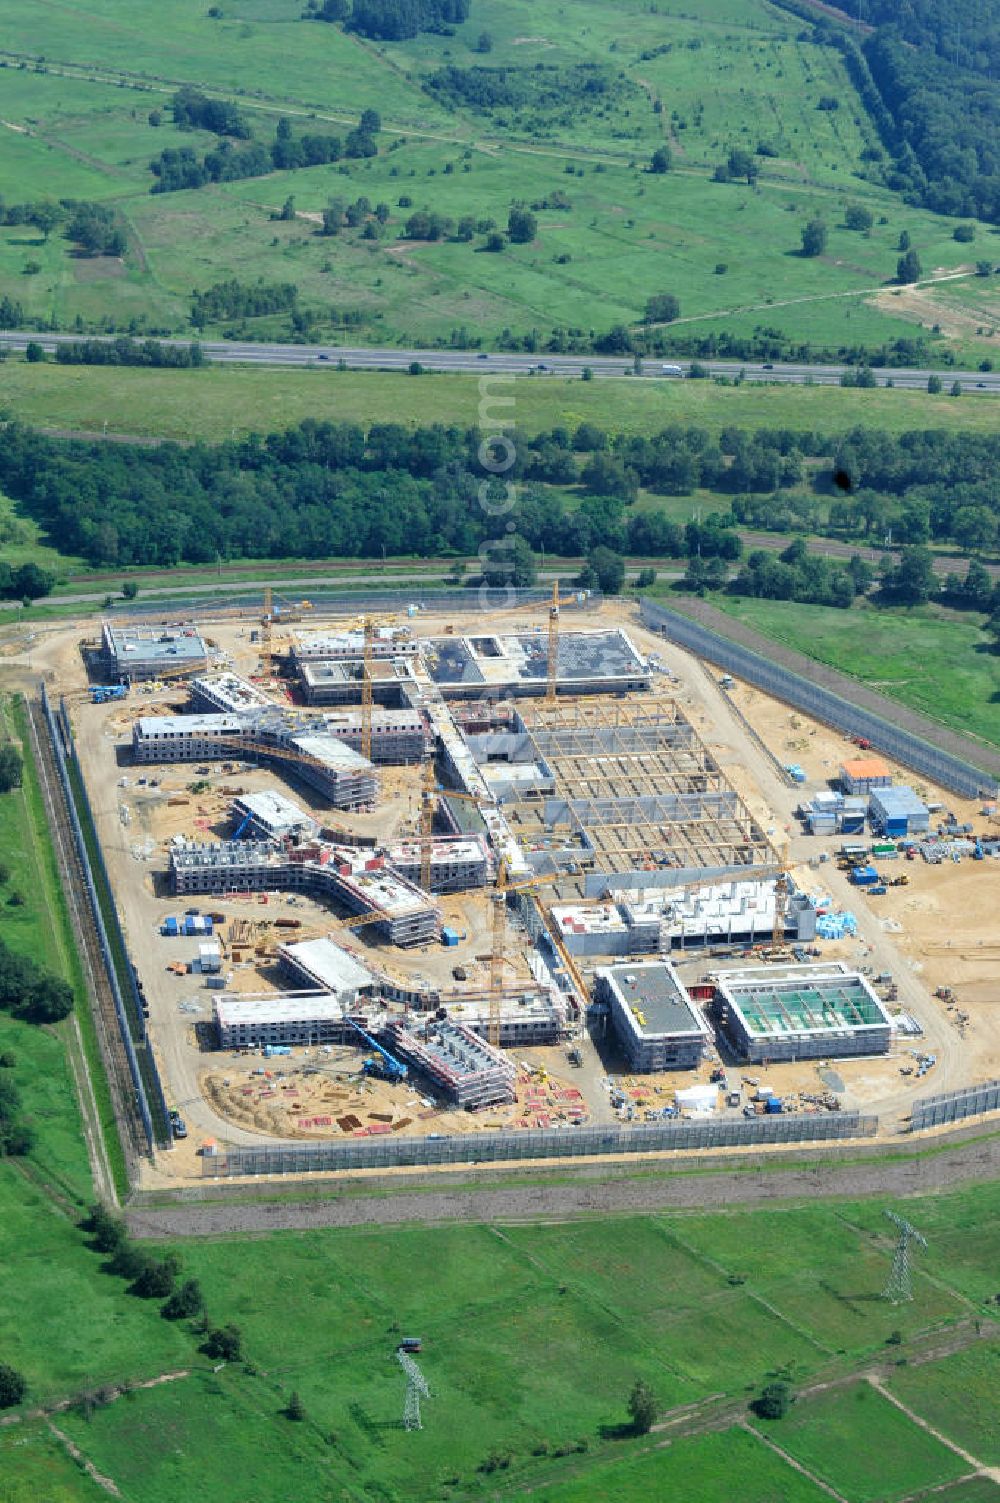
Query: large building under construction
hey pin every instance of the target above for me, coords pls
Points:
(636, 921)
(801, 1012)
(463, 1067)
(130, 654)
(630, 796)
(401, 911)
(654, 1019)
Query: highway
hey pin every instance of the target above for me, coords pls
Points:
(470, 362)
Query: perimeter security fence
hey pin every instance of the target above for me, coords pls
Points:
(482, 1148)
(952, 1106)
(940, 767)
(149, 1098)
(341, 603)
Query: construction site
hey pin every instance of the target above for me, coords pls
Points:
(392, 876)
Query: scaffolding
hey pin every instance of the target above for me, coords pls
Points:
(471, 1072)
(804, 1016)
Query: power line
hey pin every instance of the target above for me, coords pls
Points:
(416, 1388)
(899, 1286)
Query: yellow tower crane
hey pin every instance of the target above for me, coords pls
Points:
(367, 663)
(552, 656)
(498, 957)
(780, 901)
(428, 803)
(266, 649)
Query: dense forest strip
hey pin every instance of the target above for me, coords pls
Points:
(324, 489)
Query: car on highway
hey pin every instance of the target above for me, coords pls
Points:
(482, 355)
(322, 357)
(767, 366)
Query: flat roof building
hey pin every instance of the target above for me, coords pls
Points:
(805, 1012)
(227, 692)
(401, 911)
(457, 863)
(654, 1019)
(897, 812)
(249, 1022)
(661, 919)
(142, 652)
(327, 966)
(345, 646)
(308, 750)
(325, 682)
(862, 774)
(588, 662)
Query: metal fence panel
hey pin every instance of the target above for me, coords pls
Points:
(131, 1023)
(821, 704)
(382, 1153)
(345, 602)
(97, 916)
(952, 1106)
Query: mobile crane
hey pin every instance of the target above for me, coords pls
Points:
(384, 1064)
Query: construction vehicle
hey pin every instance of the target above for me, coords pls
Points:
(101, 693)
(382, 1063)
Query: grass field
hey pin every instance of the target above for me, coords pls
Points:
(210, 404)
(39, 927)
(533, 1336)
(695, 1303)
(896, 1458)
(34, 1465)
(736, 74)
(959, 1397)
(706, 1469)
(63, 1323)
(935, 662)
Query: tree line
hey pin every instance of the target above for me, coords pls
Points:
(390, 20)
(178, 168)
(126, 351)
(942, 126)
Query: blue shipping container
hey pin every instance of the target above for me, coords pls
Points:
(772, 1106)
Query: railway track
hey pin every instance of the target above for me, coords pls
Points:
(109, 1037)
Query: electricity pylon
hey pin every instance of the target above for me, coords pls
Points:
(416, 1388)
(899, 1287)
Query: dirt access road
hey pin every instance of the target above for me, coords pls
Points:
(594, 1190)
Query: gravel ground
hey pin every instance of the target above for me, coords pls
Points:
(591, 1191)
